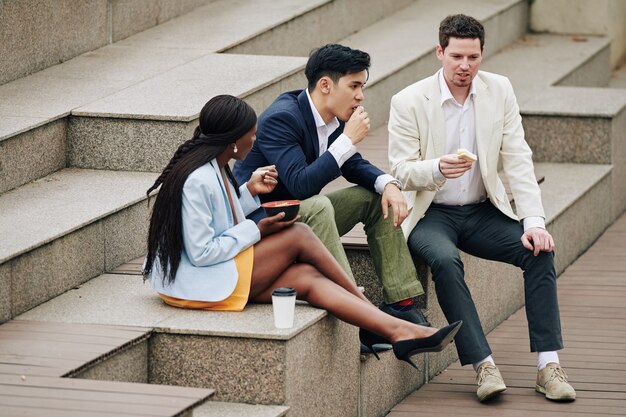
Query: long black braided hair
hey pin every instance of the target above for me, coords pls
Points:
(223, 120)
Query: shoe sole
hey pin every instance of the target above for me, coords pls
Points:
(542, 390)
(491, 394)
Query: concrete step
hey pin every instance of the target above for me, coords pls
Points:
(312, 368)
(537, 61)
(113, 68)
(567, 114)
(66, 29)
(160, 113)
(25, 116)
(402, 46)
(34, 110)
(163, 108)
(65, 229)
(137, 82)
(224, 409)
(267, 27)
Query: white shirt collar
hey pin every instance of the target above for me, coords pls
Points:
(319, 122)
(445, 91)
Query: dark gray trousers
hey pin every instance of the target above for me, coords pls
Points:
(482, 230)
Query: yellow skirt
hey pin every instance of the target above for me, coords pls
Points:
(236, 301)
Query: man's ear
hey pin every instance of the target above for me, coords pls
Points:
(324, 85)
(439, 51)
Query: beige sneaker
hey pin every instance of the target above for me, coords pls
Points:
(489, 381)
(552, 381)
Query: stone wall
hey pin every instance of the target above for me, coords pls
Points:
(584, 17)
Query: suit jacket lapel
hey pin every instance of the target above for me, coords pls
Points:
(309, 121)
(484, 108)
(435, 115)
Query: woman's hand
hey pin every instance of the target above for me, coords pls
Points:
(263, 180)
(274, 224)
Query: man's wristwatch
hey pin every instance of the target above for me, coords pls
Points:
(396, 183)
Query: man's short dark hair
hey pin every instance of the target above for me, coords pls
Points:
(460, 26)
(334, 61)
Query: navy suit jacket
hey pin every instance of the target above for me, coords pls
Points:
(287, 137)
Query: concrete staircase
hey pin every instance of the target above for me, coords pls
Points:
(81, 141)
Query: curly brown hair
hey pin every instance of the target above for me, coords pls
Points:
(460, 26)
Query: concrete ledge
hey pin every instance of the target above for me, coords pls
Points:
(539, 60)
(386, 382)
(312, 368)
(127, 365)
(159, 114)
(595, 139)
(326, 23)
(593, 73)
(60, 203)
(166, 97)
(31, 155)
(222, 24)
(6, 300)
(577, 200)
(224, 409)
(66, 229)
(113, 68)
(590, 127)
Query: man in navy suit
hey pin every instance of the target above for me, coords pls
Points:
(311, 137)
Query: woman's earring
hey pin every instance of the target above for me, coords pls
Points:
(235, 149)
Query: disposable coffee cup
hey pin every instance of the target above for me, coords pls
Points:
(284, 306)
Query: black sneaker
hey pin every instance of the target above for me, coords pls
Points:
(408, 313)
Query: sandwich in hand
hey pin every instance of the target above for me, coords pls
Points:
(467, 155)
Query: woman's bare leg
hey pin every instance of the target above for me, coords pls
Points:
(314, 287)
(275, 253)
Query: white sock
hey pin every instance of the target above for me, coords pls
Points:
(487, 359)
(544, 358)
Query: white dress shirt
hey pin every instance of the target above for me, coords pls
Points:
(461, 133)
(342, 148)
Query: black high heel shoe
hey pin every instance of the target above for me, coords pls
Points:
(404, 349)
(370, 339)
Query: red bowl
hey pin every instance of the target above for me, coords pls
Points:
(290, 207)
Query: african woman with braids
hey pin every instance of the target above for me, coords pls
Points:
(203, 253)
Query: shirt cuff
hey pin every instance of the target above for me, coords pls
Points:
(438, 177)
(382, 181)
(342, 149)
(247, 201)
(534, 221)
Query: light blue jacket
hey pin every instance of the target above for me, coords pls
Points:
(211, 240)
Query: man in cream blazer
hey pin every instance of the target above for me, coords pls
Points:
(459, 202)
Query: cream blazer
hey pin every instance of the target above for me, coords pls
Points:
(417, 136)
